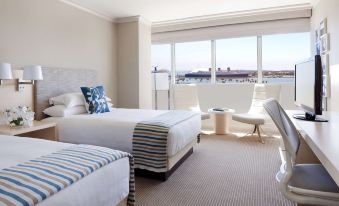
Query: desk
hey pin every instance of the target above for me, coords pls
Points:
(323, 139)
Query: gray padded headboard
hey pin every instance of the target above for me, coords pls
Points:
(60, 81)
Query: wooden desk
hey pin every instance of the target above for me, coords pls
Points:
(323, 139)
(41, 130)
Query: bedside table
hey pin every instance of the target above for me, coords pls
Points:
(41, 130)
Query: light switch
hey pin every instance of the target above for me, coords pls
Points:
(21, 88)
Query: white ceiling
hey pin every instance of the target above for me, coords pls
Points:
(165, 10)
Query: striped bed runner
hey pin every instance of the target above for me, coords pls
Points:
(31, 182)
(150, 140)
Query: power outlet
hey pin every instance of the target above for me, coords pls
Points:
(21, 88)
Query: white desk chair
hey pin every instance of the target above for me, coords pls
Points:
(256, 115)
(185, 97)
(303, 183)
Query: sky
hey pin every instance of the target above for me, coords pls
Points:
(280, 52)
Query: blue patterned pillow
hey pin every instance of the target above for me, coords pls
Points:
(95, 99)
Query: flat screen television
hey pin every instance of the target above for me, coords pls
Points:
(308, 89)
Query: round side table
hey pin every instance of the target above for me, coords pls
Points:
(222, 117)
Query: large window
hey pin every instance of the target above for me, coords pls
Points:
(193, 62)
(236, 60)
(280, 53)
(161, 58)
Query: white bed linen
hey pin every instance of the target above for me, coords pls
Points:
(105, 187)
(115, 129)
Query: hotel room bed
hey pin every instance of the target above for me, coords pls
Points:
(109, 185)
(115, 129)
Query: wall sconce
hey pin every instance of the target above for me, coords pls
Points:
(31, 73)
(5, 72)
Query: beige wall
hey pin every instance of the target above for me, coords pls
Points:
(54, 34)
(134, 63)
(330, 9)
(128, 64)
(145, 78)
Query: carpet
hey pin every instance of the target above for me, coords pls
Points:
(223, 170)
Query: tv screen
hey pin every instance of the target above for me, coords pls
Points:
(308, 86)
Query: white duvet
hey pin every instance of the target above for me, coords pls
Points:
(107, 186)
(115, 129)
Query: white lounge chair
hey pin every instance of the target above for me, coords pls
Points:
(256, 115)
(186, 97)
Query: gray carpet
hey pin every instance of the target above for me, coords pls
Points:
(223, 170)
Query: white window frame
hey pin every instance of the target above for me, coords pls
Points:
(213, 61)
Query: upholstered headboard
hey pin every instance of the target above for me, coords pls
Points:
(59, 81)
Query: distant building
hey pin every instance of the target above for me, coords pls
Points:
(224, 74)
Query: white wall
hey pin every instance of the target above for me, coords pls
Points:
(134, 62)
(145, 78)
(330, 9)
(54, 34)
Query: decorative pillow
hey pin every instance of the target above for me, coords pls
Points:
(69, 100)
(63, 111)
(95, 99)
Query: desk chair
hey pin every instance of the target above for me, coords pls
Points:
(256, 115)
(303, 183)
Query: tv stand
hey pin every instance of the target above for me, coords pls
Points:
(309, 117)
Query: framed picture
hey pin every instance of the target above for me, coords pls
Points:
(323, 27)
(317, 48)
(325, 63)
(317, 35)
(324, 104)
(325, 93)
(324, 43)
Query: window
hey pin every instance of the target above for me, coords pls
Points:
(280, 54)
(161, 57)
(236, 60)
(193, 62)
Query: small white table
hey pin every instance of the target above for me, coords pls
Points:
(221, 119)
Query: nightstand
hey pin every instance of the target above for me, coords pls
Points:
(41, 130)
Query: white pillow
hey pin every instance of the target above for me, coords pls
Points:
(63, 111)
(69, 100)
(109, 103)
(108, 99)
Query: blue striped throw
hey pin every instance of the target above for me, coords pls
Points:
(31, 182)
(150, 140)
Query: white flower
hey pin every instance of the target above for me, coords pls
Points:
(19, 116)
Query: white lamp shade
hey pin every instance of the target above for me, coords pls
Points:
(5, 71)
(32, 72)
(160, 81)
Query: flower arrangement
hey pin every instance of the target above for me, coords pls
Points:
(19, 116)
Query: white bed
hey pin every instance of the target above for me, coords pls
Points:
(107, 186)
(115, 129)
